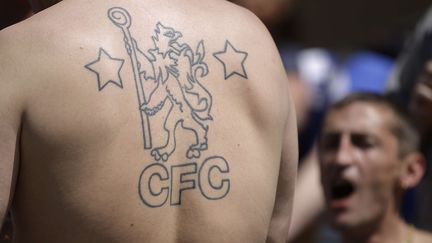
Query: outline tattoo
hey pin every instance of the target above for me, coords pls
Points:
(157, 183)
(106, 75)
(175, 69)
(167, 81)
(232, 60)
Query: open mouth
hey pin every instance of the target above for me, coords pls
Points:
(342, 189)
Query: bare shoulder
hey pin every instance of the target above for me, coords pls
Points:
(32, 57)
(22, 58)
(12, 91)
(24, 44)
(239, 14)
(249, 28)
(246, 32)
(12, 41)
(14, 63)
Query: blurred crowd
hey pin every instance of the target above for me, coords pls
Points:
(332, 49)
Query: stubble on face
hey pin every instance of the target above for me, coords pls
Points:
(359, 154)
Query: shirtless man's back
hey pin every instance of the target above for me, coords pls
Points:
(145, 121)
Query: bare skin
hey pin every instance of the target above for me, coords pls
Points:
(71, 123)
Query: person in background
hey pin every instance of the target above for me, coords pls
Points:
(368, 158)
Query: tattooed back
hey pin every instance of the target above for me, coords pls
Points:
(145, 121)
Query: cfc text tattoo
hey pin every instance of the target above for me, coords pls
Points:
(169, 85)
(157, 183)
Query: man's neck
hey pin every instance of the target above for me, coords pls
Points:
(390, 229)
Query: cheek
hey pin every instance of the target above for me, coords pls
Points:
(325, 160)
(381, 163)
(323, 176)
(380, 185)
(324, 179)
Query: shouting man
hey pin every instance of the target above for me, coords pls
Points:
(368, 157)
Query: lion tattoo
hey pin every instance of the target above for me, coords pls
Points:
(175, 68)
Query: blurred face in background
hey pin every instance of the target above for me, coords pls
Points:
(359, 163)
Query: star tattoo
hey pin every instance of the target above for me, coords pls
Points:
(232, 61)
(107, 69)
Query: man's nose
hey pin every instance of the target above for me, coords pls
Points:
(344, 152)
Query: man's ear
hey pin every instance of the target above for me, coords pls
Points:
(413, 169)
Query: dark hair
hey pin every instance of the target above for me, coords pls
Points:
(402, 127)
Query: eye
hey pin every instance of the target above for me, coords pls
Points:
(362, 141)
(330, 141)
